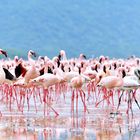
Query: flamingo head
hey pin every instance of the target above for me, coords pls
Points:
(31, 53)
(121, 72)
(79, 68)
(41, 58)
(57, 60)
(101, 59)
(3, 52)
(62, 53)
(16, 58)
(114, 64)
(82, 56)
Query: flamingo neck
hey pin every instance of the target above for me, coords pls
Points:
(64, 57)
(30, 59)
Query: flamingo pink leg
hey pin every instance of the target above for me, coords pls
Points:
(45, 102)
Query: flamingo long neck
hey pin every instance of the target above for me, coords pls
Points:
(64, 56)
(30, 59)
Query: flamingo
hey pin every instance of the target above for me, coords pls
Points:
(62, 55)
(130, 83)
(124, 83)
(30, 54)
(30, 60)
(77, 83)
(27, 73)
(5, 75)
(109, 83)
(46, 80)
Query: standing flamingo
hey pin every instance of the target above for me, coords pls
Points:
(108, 84)
(46, 80)
(130, 85)
(5, 74)
(77, 83)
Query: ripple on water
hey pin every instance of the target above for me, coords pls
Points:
(102, 122)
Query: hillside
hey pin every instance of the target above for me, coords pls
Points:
(108, 27)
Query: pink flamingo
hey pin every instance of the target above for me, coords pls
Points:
(47, 80)
(77, 83)
(108, 84)
(127, 83)
(130, 85)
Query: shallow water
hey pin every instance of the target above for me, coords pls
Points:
(99, 123)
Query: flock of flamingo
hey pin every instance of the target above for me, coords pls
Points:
(45, 79)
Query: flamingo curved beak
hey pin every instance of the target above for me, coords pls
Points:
(33, 53)
(4, 53)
